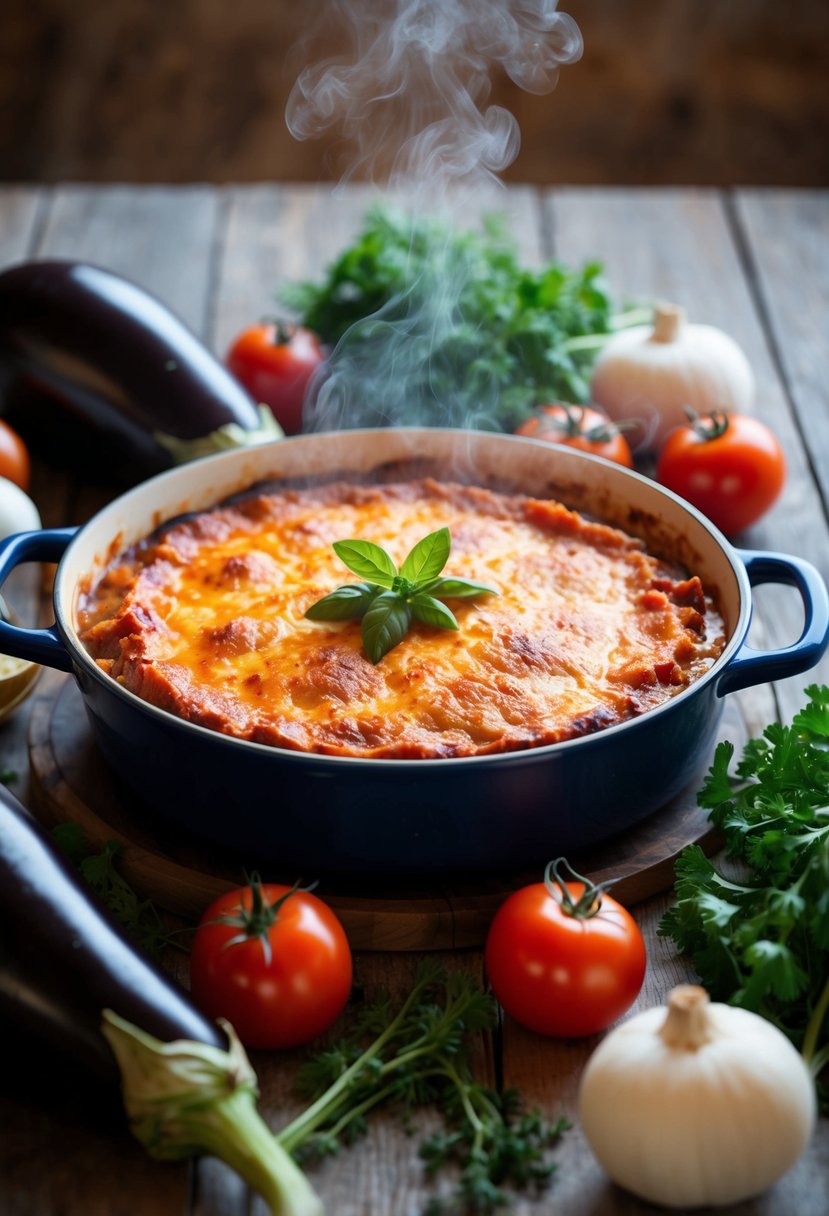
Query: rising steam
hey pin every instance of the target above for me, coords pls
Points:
(409, 96)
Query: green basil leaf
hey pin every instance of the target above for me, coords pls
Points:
(385, 624)
(428, 557)
(432, 612)
(368, 560)
(460, 589)
(345, 604)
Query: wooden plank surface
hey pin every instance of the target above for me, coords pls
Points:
(217, 256)
(682, 246)
(161, 238)
(787, 247)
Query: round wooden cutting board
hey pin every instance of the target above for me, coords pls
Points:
(72, 782)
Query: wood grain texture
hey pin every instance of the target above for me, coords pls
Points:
(61, 1155)
(272, 235)
(146, 91)
(684, 248)
(21, 211)
(161, 238)
(786, 236)
(547, 1072)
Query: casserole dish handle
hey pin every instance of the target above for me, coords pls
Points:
(750, 666)
(37, 645)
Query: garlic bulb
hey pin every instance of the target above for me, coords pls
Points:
(17, 511)
(650, 374)
(704, 1104)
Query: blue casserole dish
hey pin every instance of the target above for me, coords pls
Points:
(345, 815)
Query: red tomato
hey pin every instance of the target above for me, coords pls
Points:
(558, 965)
(14, 457)
(729, 466)
(275, 364)
(581, 427)
(274, 961)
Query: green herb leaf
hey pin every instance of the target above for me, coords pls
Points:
(760, 938)
(428, 557)
(140, 919)
(385, 624)
(507, 339)
(368, 560)
(460, 589)
(432, 612)
(347, 603)
(417, 1053)
(388, 603)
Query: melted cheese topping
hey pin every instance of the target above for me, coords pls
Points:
(207, 621)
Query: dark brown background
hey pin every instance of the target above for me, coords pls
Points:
(668, 91)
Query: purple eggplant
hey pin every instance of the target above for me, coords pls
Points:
(68, 974)
(97, 374)
(63, 960)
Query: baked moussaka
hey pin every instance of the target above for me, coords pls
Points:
(206, 619)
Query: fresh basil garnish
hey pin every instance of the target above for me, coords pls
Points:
(389, 600)
(427, 558)
(368, 560)
(344, 604)
(459, 589)
(385, 624)
(430, 611)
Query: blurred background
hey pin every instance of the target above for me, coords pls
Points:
(712, 92)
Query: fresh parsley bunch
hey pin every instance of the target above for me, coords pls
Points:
(436, 326)
(389, 602)
(760, 938)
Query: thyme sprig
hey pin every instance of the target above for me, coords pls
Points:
(389, 600)
(419, 1054)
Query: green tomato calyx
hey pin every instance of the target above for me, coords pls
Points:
(257, 920)
(556, 877)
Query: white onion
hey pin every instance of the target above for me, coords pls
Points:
(697, 1105)
(648, 375)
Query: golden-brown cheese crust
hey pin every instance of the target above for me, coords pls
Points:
(207, 621)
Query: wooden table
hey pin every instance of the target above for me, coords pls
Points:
(756, 263)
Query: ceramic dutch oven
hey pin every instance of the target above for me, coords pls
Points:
(349, 815)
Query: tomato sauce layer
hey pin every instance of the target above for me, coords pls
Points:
(206, 619)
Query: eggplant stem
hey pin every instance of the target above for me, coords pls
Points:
(231, 435)
(185, 1099)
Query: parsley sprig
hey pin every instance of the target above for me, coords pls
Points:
(140, 918)
(416, 1054)
(389, 600)
(759, 937)
(433, 324)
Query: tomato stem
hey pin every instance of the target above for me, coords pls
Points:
(588, 903)
(257, 920)
(283, 332)
(712, 426)
(572, 424)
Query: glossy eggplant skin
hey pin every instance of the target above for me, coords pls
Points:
(93, 368)
(63, 960)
